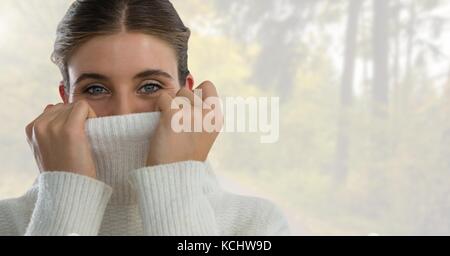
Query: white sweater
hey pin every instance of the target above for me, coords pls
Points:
(128, 198)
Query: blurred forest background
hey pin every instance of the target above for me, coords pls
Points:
(364, 87)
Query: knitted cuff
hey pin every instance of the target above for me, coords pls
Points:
(67, 204)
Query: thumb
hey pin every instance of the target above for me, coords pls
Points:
(91, 113)
(164, 102)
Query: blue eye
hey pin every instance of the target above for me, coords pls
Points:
(96, 90)
(149, 88)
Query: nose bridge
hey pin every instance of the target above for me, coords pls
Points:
(123, 104)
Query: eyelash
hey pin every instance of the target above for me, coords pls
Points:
(87, 90)
(157, 85)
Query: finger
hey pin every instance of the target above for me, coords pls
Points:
(81, 111)
(51, 112)
(91, 113)
(48, 106)
(56, 115)
(207, 89)
(210, 97)
(52, 108)
(47, 114)
(164, 102)
(61, 117)
(194, 100)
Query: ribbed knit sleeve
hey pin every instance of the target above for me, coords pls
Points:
(273, 223)
(68, 204)
(172, 201)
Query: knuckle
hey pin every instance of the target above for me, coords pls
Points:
(49, 106)
(80, 104)
(56, 107)
(40, 127)
(208, 82)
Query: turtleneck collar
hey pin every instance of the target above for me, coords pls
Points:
(119, 145)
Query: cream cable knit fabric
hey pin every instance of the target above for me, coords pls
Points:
(129, 198)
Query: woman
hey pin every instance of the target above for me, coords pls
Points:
(110, 161)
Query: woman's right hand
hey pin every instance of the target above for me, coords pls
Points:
(58, 139)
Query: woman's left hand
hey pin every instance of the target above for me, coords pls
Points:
(202, 119)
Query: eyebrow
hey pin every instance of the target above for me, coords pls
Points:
(143, 74)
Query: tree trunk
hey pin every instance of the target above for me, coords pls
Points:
(380, 87)
(410, 33)
(396, 57)
(346, 95)
(379, 134)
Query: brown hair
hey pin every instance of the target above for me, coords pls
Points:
(86, 19)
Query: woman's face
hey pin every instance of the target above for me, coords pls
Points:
(122, 73)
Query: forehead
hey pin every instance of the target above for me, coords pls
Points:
(122, 55)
